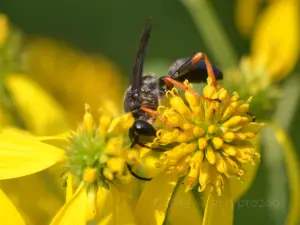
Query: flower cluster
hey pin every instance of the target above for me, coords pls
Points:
(208, 137)
(96, 154)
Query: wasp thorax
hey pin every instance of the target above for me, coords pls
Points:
(147, 93)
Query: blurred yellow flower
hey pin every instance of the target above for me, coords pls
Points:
(39, 112)
(24, 104)
(3, 29)
(74, 77)
(27, 105)
(275, 43)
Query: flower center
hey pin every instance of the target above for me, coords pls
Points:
(208, 141)
(98, 155)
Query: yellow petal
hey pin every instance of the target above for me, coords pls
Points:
(69, 189)
(121, 123)
(9, 215)
(39, 111)
(238, 188)
(275, 45)
(102, 196)
(74, 211)
(122, 212)
(63, 136)
(219, 210)
(106, 220)
(22, 155)
(33, 198)
(153, 203)
(182, 205)
(10, 131)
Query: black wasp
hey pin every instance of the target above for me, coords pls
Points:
(148, 90)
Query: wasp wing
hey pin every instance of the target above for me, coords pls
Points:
(181, 70)
(137, 72)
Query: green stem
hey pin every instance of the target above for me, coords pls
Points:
(292, 167)
(212, 32)
(283, 118)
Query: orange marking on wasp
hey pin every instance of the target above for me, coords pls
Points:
(197, 57)
(149, 111)
(184, 88)
(156, 115)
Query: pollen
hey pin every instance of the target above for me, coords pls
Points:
(211, 136)
(90, 175)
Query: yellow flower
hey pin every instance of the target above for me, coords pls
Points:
(96, 157)
(97, 154)
(211, 138)
(207, 142)
(275, 41)
(36, 109)
(62, 71)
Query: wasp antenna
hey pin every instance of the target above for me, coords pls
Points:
(137, 71)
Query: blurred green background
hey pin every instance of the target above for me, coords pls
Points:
(113, 28)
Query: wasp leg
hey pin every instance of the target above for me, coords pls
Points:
(162, 82)
(195, 59)
(136, 142)
(168, 79)
(137, 176)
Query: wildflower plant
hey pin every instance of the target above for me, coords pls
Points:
(95, 158)
(205, 139)
(213, 136)
(97, 154)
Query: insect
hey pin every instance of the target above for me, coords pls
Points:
(148, 90)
